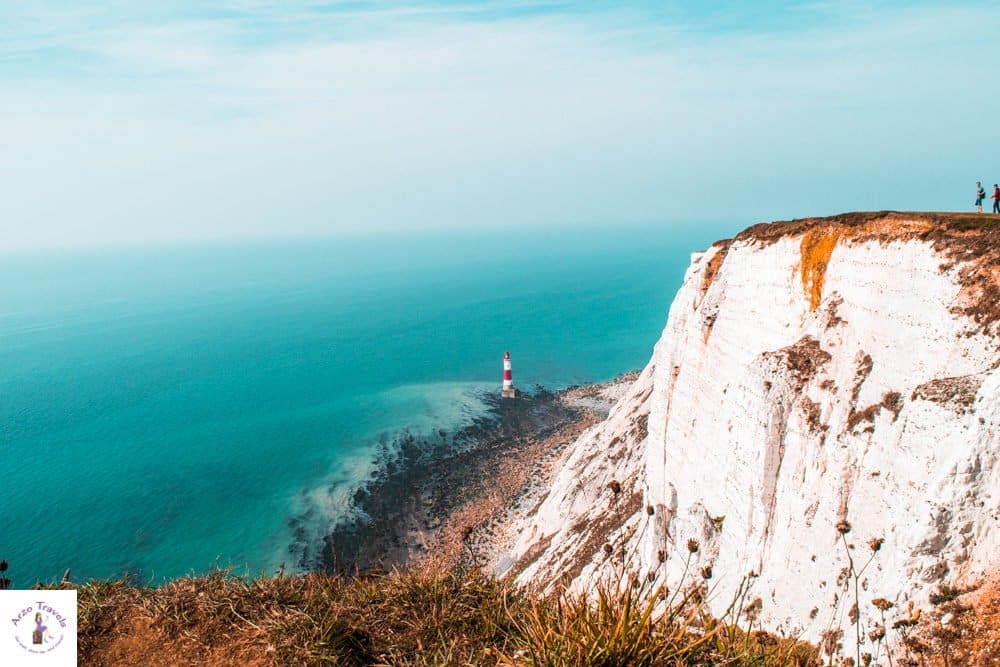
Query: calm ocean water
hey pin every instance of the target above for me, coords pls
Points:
(164, 411)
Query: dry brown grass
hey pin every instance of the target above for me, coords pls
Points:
(964, 632)
(417, 618)
(465, 617)
(413, 618)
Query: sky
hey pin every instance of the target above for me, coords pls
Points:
(157, 122)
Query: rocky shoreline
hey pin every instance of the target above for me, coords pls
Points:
(446, 500)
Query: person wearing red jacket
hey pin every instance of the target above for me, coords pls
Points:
(996, 198)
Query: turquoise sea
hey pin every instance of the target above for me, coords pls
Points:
(167, 410)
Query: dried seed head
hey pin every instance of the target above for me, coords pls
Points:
(843, 527)
(706, 572)
(615, 487)
(830, 641)
(882, 603)
(866, 659)
(693, 545)
(876, 633)
(608, 550)
(752, 610)
(875, 543)
(661, 556)
(649, 510)
(765, 638)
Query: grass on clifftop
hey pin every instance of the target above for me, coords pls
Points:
(414, 618)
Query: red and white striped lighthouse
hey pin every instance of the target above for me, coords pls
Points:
(508, 379)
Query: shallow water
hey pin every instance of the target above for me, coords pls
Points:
(163, 411)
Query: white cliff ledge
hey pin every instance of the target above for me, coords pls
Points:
(812, 373)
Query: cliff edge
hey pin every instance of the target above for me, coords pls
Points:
(825, 393)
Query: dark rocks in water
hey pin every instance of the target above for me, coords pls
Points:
(432, 477)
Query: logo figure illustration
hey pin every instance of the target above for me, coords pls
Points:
(40, 635)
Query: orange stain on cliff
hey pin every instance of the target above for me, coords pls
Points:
(817, 247)
(714, 264)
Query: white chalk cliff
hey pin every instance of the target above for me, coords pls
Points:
(837, 371)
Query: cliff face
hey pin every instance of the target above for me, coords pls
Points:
(814, 377)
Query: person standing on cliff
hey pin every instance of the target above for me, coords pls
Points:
(996, 198)
(980, 196)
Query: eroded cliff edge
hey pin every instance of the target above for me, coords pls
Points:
(820, 384)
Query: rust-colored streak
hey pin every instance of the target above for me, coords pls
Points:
(969, 244)
(817, 248)
(714, 264)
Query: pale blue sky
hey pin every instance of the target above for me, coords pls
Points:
(173, 121)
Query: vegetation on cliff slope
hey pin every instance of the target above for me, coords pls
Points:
(413, 618)
(469, 618)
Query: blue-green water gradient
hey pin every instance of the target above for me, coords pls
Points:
(163, 411)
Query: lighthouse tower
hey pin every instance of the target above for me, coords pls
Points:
(508, 379)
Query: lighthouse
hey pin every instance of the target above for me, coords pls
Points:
(508, 379)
